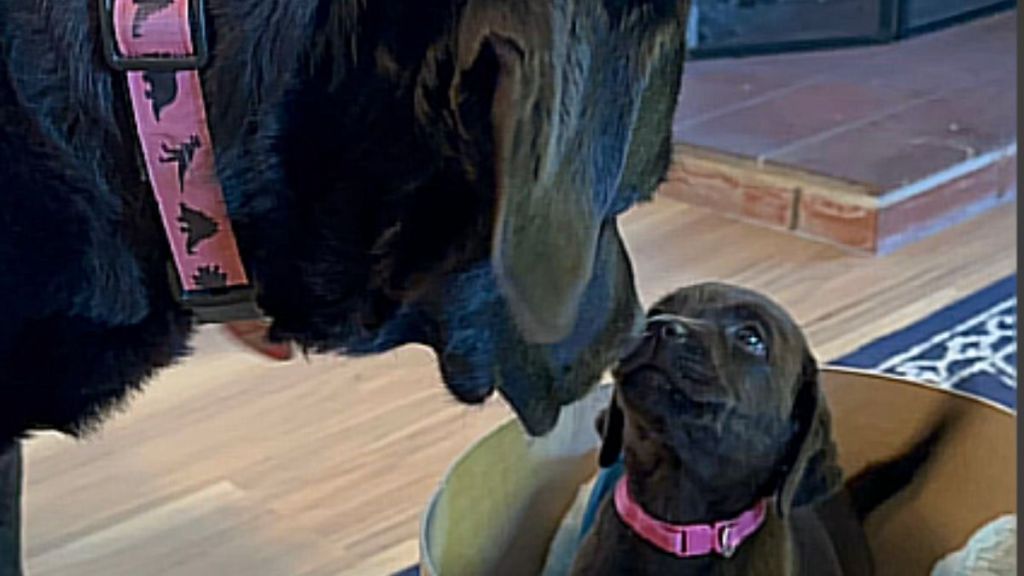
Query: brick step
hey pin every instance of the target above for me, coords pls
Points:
(832, 210)
(868, 148)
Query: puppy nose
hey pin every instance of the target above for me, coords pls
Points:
(669, 329)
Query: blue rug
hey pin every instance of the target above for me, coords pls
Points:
(970, 346)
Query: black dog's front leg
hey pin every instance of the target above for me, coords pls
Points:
(10, 509)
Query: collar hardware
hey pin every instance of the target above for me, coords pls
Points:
(154, 62)
(689, 540)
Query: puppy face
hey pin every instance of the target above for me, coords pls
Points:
(724, 377)
(717, 357)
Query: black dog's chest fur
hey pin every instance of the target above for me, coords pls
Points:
(85, 317)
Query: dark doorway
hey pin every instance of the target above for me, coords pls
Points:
(740, 27)
(920, 14)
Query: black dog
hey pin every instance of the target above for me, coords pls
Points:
(444, 172)
(719, 412)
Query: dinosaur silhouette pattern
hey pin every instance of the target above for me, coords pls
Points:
(182, 156)
(209, 277)
(144, 11)
(196, 226)
(161, 90)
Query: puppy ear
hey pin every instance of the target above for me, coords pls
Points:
(812, 471)
(609, 425)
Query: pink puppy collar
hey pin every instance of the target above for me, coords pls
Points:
(689, 540)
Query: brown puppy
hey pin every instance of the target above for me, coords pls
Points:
(719, 414)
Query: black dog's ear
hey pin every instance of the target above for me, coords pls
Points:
(546, 223)
(811, 472)
(567, 137)
(546, 226)
(609, 425)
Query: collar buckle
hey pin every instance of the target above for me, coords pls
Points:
(724, 541)
(155, 63)
(217, 305)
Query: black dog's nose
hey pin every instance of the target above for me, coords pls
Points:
(668, 329)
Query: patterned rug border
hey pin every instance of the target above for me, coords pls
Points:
(964, 315)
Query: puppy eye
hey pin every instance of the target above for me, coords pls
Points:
(750, 338)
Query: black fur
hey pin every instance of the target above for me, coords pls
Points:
(10, 509)
(353, 141)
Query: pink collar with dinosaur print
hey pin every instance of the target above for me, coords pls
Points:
(161, 45)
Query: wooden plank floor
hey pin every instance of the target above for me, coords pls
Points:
(230, 465)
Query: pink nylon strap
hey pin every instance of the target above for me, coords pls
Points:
(689, 540)
(170, 117)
